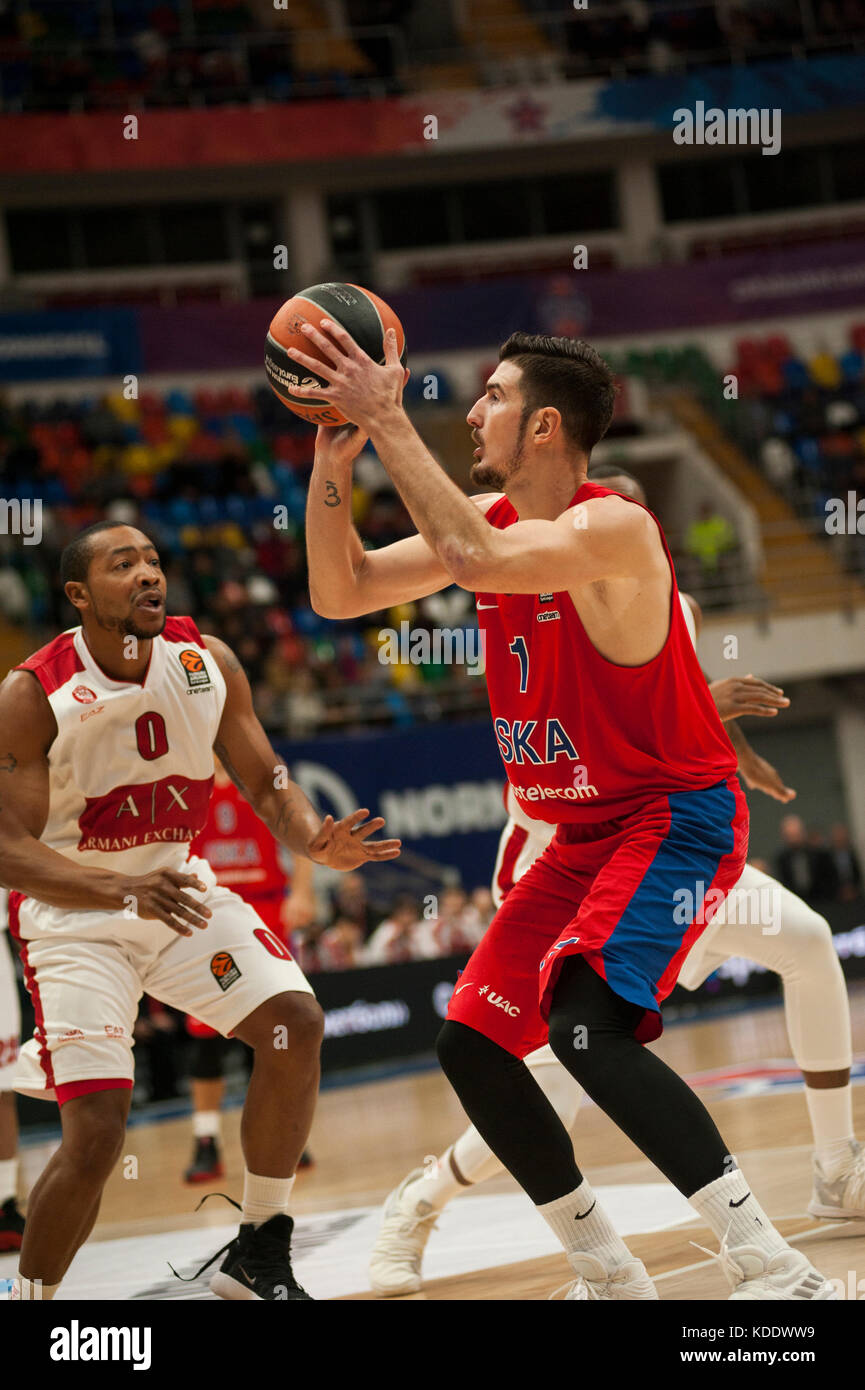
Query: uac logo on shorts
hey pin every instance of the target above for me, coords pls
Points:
(193, 664)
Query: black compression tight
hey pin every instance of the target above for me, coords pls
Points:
(639, 1092)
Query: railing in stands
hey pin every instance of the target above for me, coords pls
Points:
(401, 69)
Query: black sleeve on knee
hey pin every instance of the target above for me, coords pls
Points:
(206, 1062)
(586, 1009)
(462, 1050)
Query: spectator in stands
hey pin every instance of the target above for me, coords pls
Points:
(457, 927)
(708, 540)
(804, 866)
(349, 903)
(340, 947)
(402, 936)
(846, 863)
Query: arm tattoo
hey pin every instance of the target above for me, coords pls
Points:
(220, 751)
(8, 762)
(231, 660)
(333, 498)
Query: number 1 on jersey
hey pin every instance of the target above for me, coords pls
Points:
(518, 647)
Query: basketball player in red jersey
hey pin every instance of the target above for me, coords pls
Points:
(112, 729)
(246, 858)
(606, 728)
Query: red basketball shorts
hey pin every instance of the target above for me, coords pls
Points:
(631, 895)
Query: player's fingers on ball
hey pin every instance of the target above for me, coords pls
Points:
(313, 363)
(324, 342)
(326, 346)
(342, 336)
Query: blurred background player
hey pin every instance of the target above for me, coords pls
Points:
(246, 858)
(798, 947)
(11, 1218)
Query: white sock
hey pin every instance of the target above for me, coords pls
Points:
(437, 1186)
(8, 1179)
(581, 1224)
(264, 1198)
(831, 1114)
(32, 1289)
(206, 1124)
(744, 1223)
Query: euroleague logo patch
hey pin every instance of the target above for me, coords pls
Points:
(84, 695)
(193, 664)
(224, 970)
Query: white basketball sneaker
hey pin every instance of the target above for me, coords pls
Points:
(395, 1263)
(841, 1198)
(786, 1276)
(594, 1281)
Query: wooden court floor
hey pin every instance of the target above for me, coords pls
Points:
(367, 1137)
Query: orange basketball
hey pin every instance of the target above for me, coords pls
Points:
(360, 312)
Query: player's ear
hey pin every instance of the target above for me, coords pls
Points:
(76, 592)
(548, 425)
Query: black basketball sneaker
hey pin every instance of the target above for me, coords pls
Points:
(206, 1162)
(257, 1264)
(11, 1226)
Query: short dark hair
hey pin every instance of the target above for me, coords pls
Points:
(75, 560)
(571, 376)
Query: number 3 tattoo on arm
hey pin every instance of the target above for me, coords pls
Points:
(333, 498)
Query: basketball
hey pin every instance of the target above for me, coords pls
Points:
(360, 312)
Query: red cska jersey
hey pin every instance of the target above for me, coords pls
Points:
(239, 847)
(583, 739)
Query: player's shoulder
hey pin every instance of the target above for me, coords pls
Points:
(55, 663)
(611, 510)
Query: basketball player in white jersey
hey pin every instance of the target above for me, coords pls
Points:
(108, 736)
(11, 1220)
(798, 946)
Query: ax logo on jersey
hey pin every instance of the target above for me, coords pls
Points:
(144, 813)
(498, 1002)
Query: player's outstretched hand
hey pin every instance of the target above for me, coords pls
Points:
(344, 844)
(761, 776)
(159, 896)
(739, 695)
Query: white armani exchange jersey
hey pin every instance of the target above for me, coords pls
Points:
(131, 768)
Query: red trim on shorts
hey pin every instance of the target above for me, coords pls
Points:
(71, 1090)
(16, 898)
(512, 851)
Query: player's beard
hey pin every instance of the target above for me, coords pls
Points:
(127, 626)
(496, 476)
